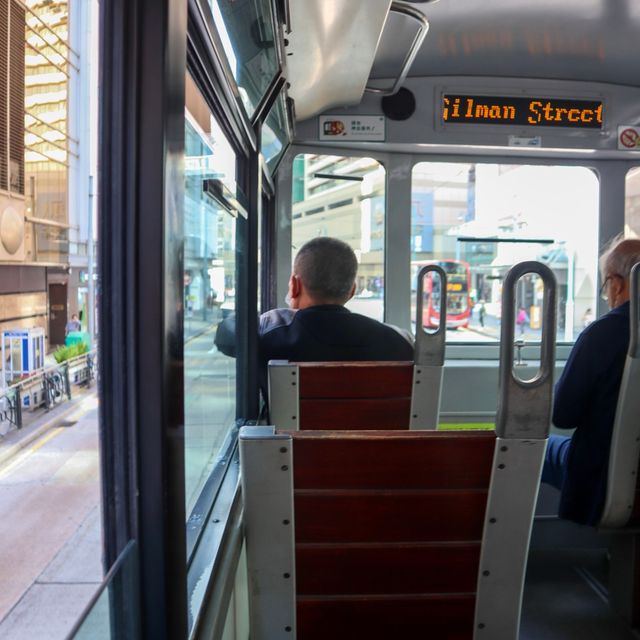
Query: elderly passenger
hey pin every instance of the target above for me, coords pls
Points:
(586, 395)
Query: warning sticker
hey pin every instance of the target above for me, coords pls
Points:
(629, 137)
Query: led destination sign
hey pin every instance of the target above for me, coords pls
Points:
(522, 111)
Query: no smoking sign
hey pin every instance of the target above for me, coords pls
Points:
(629, 138)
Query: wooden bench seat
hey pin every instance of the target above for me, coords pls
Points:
(398, 533)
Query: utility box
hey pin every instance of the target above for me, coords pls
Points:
(23, 352)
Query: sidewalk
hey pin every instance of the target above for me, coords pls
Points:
(50, 560)
(35, 423)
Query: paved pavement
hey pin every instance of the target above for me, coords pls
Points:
(50, 525)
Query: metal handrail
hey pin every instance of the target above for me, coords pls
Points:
(55, 384)
(429, 346)
(407, 10)
(51, 369)
(524, 406)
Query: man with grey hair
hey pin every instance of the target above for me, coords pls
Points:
(317, 326)
(586, 395)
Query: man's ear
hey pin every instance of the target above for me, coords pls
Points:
(353, 291)
(295, 286)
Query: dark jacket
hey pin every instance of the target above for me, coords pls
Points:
(320, 333)
(586, 396)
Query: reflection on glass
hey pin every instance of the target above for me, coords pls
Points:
(632, 204)
(246, 32)
(275, 134)
(478, 220)
(344, 198)
(110, 608)
(209, 294)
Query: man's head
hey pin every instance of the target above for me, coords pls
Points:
(74, 316)
(324, 272)
(615, 267)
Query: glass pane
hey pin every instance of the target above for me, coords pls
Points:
(209, 292)
(275, 134)
(110, 608)
(632, 204)
(344, 198)
(246, 31)
(50, 514)
(477, 220)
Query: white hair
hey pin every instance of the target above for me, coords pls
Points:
(619, 256)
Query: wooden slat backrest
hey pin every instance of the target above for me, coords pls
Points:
(355, 395)
(388, 531)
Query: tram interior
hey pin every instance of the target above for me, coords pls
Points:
(496, 141)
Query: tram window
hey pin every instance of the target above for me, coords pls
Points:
(274, 135)
(253, 57)
(209, 294)
(632, 204)
(344, 197)
(477, 220)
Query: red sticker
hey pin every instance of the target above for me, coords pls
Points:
(629, 138)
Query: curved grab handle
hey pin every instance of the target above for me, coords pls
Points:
(524, 407)
(407, 10)
(634, 311)
(429, 347)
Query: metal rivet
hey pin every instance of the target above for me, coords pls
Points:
(418, 370)
(287, 628)
(293, 373)
(286, 575)
(485, 573)
(492, 520)
(481, 625)
(504, 448)
(284, 467)
(500, 466)
(216, 520)
(417, 381)
(293, 417)
(283, 449)
(293, 384)
(415, 415)
(285, 522)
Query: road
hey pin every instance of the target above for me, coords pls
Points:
(50, 557)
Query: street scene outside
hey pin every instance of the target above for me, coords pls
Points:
(482, 217)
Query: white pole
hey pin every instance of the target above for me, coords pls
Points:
(92, 300)
(568, 322)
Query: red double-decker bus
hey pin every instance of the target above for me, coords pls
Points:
(458, 286)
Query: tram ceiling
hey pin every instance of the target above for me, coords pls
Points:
(583, 40)
(337, 47)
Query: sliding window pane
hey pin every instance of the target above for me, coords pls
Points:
(275, 134)
(246, 31)
(209, 293)
(632, 204)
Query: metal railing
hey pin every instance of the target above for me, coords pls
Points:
(48, 387)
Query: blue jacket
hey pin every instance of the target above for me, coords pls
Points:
(586, 396)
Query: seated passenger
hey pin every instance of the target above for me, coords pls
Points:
(587, 393)
(317, 326)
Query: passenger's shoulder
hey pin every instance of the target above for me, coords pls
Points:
(386, 328)
(276, 318)
(610, 328)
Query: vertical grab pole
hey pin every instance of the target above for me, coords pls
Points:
(522, 428)
(625, 440)
(429, 357)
